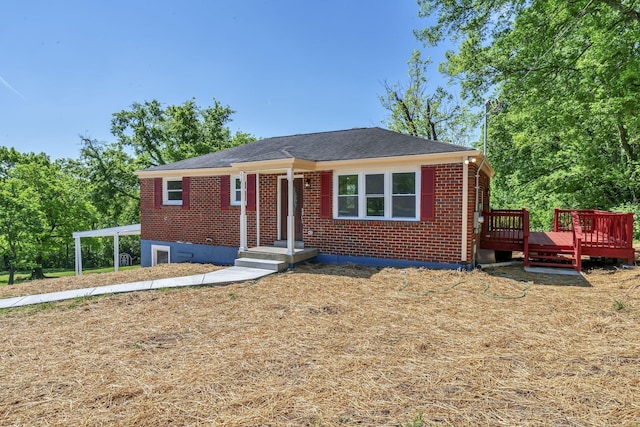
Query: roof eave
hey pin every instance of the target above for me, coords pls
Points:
(175, 173)
(414, 159)
(281, 165)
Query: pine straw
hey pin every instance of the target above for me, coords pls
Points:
(89, 280)
(326, 346)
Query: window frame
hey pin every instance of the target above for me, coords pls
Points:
(339, 196)
(232, 190)
(415, 194)
(154, 254)
(382, 195)
(388, 194)
(166, 191)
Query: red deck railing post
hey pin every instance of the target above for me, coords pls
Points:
(577, 240)
(525, 236)
(629, 238)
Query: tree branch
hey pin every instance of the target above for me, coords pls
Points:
(406, 113)
(626, 11)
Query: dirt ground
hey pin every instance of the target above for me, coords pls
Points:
(334, 346)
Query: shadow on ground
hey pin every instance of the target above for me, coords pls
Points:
(516, 272)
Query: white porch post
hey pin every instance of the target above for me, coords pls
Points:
(243, 211)
(257, 209)
(116, 252)
(465, 209)
(78, 257)
(291, 239)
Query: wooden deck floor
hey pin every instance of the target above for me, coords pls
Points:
(553, 240)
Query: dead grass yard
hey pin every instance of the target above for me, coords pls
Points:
(333, 346)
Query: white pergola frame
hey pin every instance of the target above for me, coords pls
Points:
(115, 232)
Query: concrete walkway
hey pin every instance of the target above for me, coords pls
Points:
(226, 275)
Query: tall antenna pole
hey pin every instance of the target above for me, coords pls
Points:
(486, 113)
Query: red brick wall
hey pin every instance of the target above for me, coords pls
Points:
(427, 241)
(204, 219)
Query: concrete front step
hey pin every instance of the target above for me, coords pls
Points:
(279, 254)
(262, 255)
(298, 244)
(264, 264)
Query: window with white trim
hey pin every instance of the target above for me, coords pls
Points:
(160, 254)
(374, 193)
(377, 195)
(235, 191)
(348, 195)
(403, 195)
(172, 191)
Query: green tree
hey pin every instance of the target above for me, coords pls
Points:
(150, 134)
(157, 135)
(415, 111)
(43, 203)
(18, 217)
(567, 75)
(113, 188)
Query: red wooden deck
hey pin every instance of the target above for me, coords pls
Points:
(576, 233)
(552, 239)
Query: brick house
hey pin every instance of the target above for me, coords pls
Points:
(368, 196)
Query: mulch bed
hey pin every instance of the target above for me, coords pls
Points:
(334, 346)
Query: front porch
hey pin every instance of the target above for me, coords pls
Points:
(277, 203)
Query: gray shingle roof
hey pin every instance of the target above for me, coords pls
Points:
(349, 144)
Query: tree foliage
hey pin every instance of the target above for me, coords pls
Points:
(567, 75)
(157, 135)
(43, 203)
(150, 134)
(416, 111)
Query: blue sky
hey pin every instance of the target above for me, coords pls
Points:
(284, 66)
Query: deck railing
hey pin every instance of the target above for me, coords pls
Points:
(608, 230)
(505, 230)
(600, 228)
(563, 220)
(595, 233)
(578, 236)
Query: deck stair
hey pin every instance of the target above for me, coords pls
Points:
(551, 249)
(555, 258)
